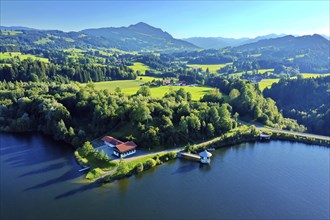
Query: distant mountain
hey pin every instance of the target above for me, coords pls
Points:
(15, 28)
(325, 36)
(221, 42)
(140, 37)
(289, 42)
(268, 36)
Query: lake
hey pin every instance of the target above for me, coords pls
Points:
(274, 180)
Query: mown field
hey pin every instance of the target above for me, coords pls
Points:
(130, 87)
(313, 75)
(213, 68)
(261, 71)
(9, 55)
(137, 66)
(5, 32)
(267, 83)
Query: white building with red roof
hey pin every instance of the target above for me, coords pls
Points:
(110, 141)
(125, 149)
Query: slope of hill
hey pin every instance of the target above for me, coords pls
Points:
(138, 37)
(15, 28)
(289, 42)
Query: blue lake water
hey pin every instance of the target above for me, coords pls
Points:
(274, 180)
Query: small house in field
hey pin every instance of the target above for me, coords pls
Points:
(125, 149)
(110, 141)
(166, 82)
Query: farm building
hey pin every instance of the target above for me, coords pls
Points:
(125, 149)
(166, 82)
(110, 141)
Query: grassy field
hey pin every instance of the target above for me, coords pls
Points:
(9, 55)
(124, 84)
(267, 83)
(11, 32)
(261, 71)
(130, 87)
(212, 67)
(196, 92)
(314, 75)
(44, 41)
(137, 66)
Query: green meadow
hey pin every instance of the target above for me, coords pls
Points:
(314, 75)
(137, 66)
(130, 87)
(261, 71)
(213, 68)
(44, 41)
(11, 32)
(9, 55)
(267, 83)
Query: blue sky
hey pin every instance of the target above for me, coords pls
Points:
(179, 18)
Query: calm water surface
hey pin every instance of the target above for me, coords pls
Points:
(276, 180)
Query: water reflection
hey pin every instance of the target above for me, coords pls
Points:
(187, 168)
(81, 189)
(71, 174)
(50, 167)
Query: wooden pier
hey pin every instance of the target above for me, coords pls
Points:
(84, 168)
(189, 156)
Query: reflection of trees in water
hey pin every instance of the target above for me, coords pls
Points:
(81, 189)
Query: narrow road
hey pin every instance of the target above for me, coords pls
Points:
(263, 127)
(258, 126)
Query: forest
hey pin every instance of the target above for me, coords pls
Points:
(74, 114)
(306, 100)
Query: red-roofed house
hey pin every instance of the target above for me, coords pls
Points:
(110, 141)
(125, 149)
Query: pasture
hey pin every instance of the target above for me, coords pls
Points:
(11, 55)
(213, 68)
(130, 87)
(314, 75)
(137, 66)
(11, 33)
(267, 83)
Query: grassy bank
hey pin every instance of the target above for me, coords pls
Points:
(297, 138)
(126, 169)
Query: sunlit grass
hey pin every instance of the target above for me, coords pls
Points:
(10, 55)
(213, 68)
(137, 66)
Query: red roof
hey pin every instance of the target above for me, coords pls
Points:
(130, 145)
(111, 140)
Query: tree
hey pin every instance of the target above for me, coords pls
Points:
(234, 93)
(144, 91)
(210, 130)
(122, 168)
(140, 113)
(139, 167)
(87, 148)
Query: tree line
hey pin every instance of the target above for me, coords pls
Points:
(306, 100)
(37, 71)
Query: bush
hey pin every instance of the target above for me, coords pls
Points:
(139, 167)
(94, 173)
(149, 163)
